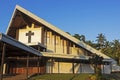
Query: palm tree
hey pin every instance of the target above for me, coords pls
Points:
(101, 40)
(116, 50)
(108, 49)
(77, 36)
(82, 38)
(96, 61)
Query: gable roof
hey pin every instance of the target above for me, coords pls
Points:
(52, 27)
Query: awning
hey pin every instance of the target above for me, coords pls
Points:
(14, 43)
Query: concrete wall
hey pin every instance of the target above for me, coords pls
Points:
(106, 69)
(63, 67)
(60, 45)
(34, 38)
(58, 67)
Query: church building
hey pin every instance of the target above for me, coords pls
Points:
(32, 45)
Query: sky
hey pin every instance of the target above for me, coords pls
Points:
(86, 17)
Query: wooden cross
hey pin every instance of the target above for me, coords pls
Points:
(29, 34)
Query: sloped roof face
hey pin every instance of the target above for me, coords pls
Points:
(10, 41)
(18, 17)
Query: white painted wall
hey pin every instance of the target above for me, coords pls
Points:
(34, 38)
(106, 69)
(48, 67)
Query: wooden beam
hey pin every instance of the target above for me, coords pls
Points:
(27, 66)
(38, 65)
(2, 60)
(23, 58)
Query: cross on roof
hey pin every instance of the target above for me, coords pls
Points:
(29, 34)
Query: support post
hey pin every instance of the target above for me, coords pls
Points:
(38, 65)
(51, 65)
(103, 68)
(27, 66)
(110, 67)
(73, 67)
(58, 67)
(80, 67)
(2, 60)
(38, 62)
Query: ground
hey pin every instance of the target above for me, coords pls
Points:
(113, 76)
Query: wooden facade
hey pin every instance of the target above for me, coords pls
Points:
(19, 66)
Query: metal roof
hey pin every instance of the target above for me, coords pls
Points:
(8, 40)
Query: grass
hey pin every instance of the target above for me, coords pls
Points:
(72, 77)
(60, 77)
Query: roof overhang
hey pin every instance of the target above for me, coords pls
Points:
(36, 44)
(64, 56)
(71, 58)
(8, 40)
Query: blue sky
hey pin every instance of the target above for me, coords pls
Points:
(87, 17)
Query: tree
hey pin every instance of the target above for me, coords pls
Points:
(108, 49)
(91, 43)
(96, 61)
(116, 50)
(79, 37)
(82, 38)
(68, 33)
(100, 41)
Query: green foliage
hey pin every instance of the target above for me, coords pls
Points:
(101, 39)
(111, 49)
(79, 37)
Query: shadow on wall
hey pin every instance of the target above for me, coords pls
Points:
(82, 68)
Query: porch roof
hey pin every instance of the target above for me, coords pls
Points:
(16, 44)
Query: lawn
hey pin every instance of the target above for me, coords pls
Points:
(72, 77)
(60, 77)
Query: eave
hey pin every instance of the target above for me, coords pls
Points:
(8, 40)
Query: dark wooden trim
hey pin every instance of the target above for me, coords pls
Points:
(38, 65)
(63, 45)
(2, 60)
(27, 66)
(67, 43)
(22, 58)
